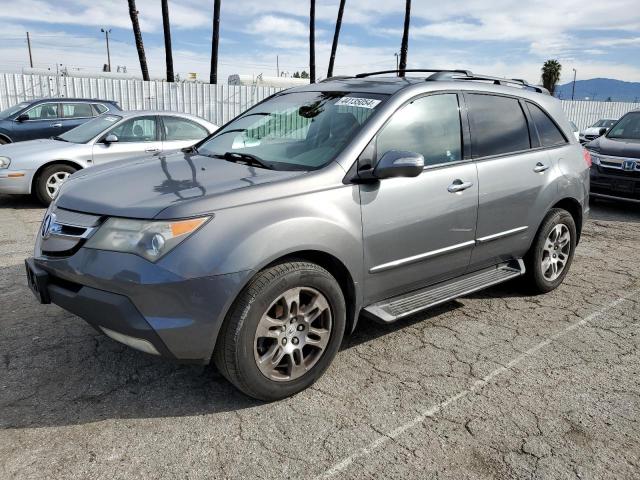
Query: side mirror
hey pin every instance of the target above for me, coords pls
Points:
(111, 138)
(397, 163)
(22, 118)
(602, 131)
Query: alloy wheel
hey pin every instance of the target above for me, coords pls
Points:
(292, 334)
(55, 181)
(555, 252)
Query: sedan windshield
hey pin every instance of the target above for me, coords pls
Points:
(90, 129)
(628, 127)
(12, 110)
(604, 123)
(294, 131)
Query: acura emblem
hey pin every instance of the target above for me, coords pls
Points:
(47, 223)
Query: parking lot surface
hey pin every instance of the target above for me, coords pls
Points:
(499, 384)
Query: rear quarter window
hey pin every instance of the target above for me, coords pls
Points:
(498, 125)
(549, 133)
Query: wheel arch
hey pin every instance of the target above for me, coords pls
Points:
(37, 173)
(574, 208)
(6, 137)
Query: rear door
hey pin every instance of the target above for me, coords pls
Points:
(137, 137)
(419, 231)
(178, 132)
(515, 174)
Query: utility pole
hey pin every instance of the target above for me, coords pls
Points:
(573, 88)
(397, 64)
(277, 65)
(29, 46)
(106, 34)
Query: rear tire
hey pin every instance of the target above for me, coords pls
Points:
(4, 141)
(551, 253)
(283, 331)
(49, 181)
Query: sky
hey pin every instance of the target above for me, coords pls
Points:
(508, 38)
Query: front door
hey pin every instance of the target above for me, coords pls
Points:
(137, 137)
(43, 122)
(419, 231)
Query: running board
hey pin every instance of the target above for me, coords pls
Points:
(395, 308)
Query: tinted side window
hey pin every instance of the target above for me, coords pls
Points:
(180, 129)
(142, 129)
(498, 125)
(43, 111)
(429, 125)
(76, 110)
(547, 130)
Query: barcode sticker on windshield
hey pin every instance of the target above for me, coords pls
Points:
(358, 102)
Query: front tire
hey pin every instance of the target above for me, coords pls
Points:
(551, 254)
(283, 331)
(50, 180)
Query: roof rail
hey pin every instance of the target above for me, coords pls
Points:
(486, 78)
(337, 77)
(411, 70)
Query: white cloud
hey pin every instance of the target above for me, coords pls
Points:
(279, 27)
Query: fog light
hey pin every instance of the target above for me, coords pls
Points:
(133, 342)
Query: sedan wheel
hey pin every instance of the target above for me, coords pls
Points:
(55, 181)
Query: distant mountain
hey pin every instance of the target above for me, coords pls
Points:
(601, 89)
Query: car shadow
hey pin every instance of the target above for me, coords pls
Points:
(19, 202)
(614, 211)
(57, 370)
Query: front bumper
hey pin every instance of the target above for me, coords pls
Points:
(15, 181)
(123, 293)
(615, 184)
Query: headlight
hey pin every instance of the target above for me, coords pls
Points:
(5, 162)
(595, 158)
(149, 239)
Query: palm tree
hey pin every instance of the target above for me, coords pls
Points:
(336, 34)
(312, 41)
(167, 40)
(551, 75)
(404, 47)
(213, 75)
(133, 13)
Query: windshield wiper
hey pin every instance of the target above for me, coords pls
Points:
(57, 137)
(244, 157)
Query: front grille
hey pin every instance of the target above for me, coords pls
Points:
(64, 231)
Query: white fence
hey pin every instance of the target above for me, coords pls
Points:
(217, 103)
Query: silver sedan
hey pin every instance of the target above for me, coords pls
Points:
(41, 166)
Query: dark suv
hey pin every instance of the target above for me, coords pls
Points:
(49, 117)
(615, 173)
(260, 247)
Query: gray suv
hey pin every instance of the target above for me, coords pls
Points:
(260, 247)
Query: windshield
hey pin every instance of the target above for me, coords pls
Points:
(604, 123)
(294, 131)
(15, 109)
(628, 127)
(90, 129)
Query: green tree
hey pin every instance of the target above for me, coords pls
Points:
(304, 74)
(551, 75)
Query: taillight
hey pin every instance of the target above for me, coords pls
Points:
(587, 156)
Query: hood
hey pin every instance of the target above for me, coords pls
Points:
(21, 149)
(183, 184)
(616, 147)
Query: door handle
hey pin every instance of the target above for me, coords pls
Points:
(459, 186)
(152, 150)
(540, 167)
(57, 125)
